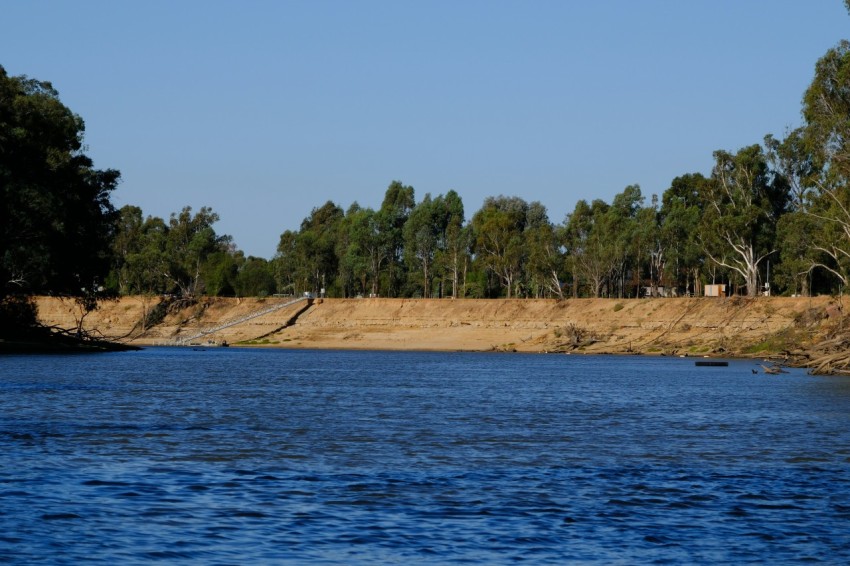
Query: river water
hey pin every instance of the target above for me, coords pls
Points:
(227, 456)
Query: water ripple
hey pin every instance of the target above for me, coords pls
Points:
(346, 458)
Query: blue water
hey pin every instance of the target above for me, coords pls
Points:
(232, 456)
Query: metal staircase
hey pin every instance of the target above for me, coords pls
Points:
(227, 324)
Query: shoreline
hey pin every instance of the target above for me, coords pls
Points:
(760, 328)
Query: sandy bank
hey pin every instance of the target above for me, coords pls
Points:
(695, 326)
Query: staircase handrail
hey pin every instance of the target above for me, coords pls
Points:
(240, 320)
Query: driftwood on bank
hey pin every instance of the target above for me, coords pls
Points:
(832, 363)
(832, 356)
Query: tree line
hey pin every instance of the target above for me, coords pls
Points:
(769, 217)
(772, 215)
(763, 219)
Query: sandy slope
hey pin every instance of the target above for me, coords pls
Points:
(672, 326)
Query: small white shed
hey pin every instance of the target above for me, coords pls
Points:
(717, 290)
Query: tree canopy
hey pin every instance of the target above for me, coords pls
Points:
(56, 218)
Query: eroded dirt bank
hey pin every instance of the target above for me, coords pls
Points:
(694, 326)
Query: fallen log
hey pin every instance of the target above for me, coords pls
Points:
(831, 363)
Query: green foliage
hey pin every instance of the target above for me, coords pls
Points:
(544, 261)
(421, 233)
(740, 209)
(56, 218)
(307, 260)
(183, 255)
(596, 238)
(679, 230)
(219, 272)
(254, 278)
(391, 218)
(190, 241)
(826, 108)
(498, 238)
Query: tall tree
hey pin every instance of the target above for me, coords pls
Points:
(422, 231)
(793, 159)
(648, 247)
(368, 245)
(741, 208)
(316, 246)
(219, 271)
(624, 237)
(56, 219)
(395, 209)
(591, 237)
(826, 109)
(126, 244)
(350, 263)
(285, 263)
(544, 257)
(254, 278)
(190, 240)
(139, 250)
(498, 231)
(679, 225)
(799, 236)
(455, 247)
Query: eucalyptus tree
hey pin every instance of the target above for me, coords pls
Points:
(799, 231)
(831, 233)
(587, 232)
(498, 235)
(680, 216)
(572, 237)
(372, 243)
(395, 209)
(740, 209)
(254, 278)
(56, 218)
(623, 235)
(453, 254)
(352, 264)
(285, 263)
(190, 240)
(125, 244)
(545, 260)
(826, 109)
(423, 236)
(792, 157)
(799, 235)
(648, 248)
(219, 272)
(361, 250)
(139, 250)
(315, 247)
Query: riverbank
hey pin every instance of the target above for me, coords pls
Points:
(762, 327)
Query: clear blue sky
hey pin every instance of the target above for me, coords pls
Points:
(266, 109)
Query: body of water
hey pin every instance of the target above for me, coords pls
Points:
(227, 456)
